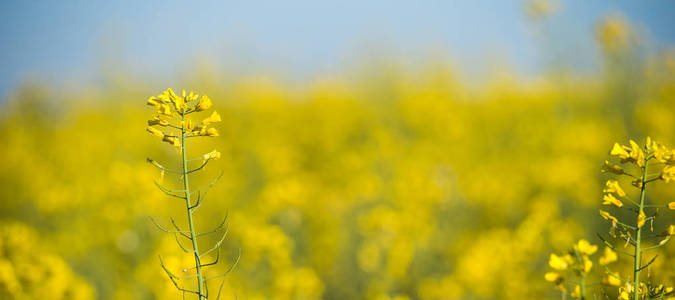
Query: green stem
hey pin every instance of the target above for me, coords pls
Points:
(582, 284)
(637, 260)
(188, 204)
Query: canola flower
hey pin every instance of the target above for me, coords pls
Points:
(644, 165)
(577, 264)
(173, 117)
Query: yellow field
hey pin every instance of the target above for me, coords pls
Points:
(398, 183)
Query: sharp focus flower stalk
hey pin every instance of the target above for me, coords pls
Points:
(631, 231)
(177, 127)
(638, 234)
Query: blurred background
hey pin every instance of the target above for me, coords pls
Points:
(386, 150)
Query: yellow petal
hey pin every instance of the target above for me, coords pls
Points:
(609, 199)
(609, 256)
(613, 187)
(155, 132)
(641, 219)
(552, 277)
(213, 118)
(557, 263)
(611, 280)
(585, 248)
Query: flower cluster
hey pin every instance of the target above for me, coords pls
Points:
(172, 117)
(578, 262)
(643, 165)
(172, 111)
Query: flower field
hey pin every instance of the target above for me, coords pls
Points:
(390, 183)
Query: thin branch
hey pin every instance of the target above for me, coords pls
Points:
(604, 241)
(199, 168)
(181, 245)
(210, 184)
(218, 243)
(174, 277)
(228, 270)
(178, 229)
(159, 166)
(167, 191)
(220, 289)
(164, 229)
(219, 227)
(649, 263)
(214, 262)
(199, 200)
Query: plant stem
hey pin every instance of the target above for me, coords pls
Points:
(188, 204)
(637, 258)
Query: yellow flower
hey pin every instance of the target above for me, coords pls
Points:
(632, 154)
(585, 248)
(170, 96)
(609, 256)
(668, 173)
(204, 103)
(155, 132)
(213, 118)
(208, 132)
(577, 292)
(170, 92)
(154, 102)
(557, 262)
(641, 219)
(588, 264)
(661, 153)
(624, 295)
(613, 187)
(605, 215)
(553, 277)
(669, 231)
(610, 168)
(157, 121)
(636, 154)
(188, 125)
(212, 155)
(172, 140)
(609, 199)
(619, 151)
(165, 109)
(671, 205)
(611, 280)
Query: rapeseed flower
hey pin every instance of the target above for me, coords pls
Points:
(641, 219)
(668, 173)
(610, 168)
(611, 280)
(608, 256)
(607, 216)
(586, 248)
(211, 155)
(609, 199)
(204, 104)
(558, 262)
(613, 187)
(553, 277)
(213, 118)
(155, 132)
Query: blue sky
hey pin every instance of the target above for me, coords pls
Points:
(59, 40)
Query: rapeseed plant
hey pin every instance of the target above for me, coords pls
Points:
(643, 165)
(176, 128)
